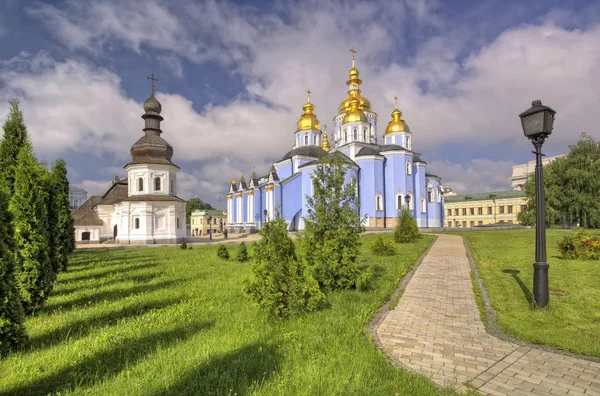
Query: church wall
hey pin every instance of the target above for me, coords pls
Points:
(434, 209)
(397, 181)
(166, 173)
(420, 192)
(94, 234)
(284, 169)
(292, 198)
(370, 181)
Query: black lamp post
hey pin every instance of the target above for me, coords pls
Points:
(265, 212)
(407, 199)
(537, 125)
(210, 227)
(221, 224)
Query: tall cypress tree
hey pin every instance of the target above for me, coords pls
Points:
(54, 251)
(12, 330)
(15, 136)
(35, 275)
(64, 219)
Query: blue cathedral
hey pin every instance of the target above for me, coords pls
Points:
(389, 174)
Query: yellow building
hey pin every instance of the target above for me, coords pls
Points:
(473, 210)
(200, 224)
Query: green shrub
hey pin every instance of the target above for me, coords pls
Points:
(183, 245)
(280, 285)
(383, 246)
(406, 230)
(580, 246)
(242, 255)
(222, 252)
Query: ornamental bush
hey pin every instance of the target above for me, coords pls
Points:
(280, 285)
(580, 246)
(242, 255)
(406, 230)
(222, 252)
(383, 246)
(183, 245)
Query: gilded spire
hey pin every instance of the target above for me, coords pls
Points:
(325, 142)
(232, 181)
(397, 124)
(354, 52)
(353, 84)
(242, 178)
(396, 102)
(308, 121)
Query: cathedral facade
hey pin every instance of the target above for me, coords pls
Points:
(142, 208)
(389, 174)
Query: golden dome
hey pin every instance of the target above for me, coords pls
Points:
(354, 92)
(355, 114)
(232, 181)
(308, 121)
(397, 124)
(325, 142)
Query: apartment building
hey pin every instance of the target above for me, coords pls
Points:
(481, 209)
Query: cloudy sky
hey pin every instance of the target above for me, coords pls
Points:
(233, 76)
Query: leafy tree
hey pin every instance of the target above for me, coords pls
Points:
(242, 255)
(406, 229)
(571, 187)
(15, 137)
(35, 275)
(195, 204)
(12, 330)
(281, 286)
(331, 239)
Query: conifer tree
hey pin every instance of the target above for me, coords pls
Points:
(35, 275)
(406, 229)
(52, 216)
(15, 136)
(12, 330)
(66, 230)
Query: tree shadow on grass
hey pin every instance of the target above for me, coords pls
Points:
(136, 279)
(105, 364)
(526, 292)
(80, 261)
(232, 373)
(116, 270)
(77, 329)
(111, 295)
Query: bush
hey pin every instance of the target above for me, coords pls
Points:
(183, 245)
(281, 286)
(242, 255)
(222, 252)
(406, 230)
(383, 246)
(580, 246)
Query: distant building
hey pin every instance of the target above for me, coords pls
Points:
(199, 224)
(447, 191)
(521, 172)
(77, 196)
(473, 210)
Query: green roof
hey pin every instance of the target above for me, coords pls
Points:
(484, 196)
(210, 212)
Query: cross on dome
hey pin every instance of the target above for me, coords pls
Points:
(354, 52)
(308, 92)
(396, 101)
(153, 79)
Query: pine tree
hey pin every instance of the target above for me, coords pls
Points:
(52, 216)
(406, 230)
(281, 286)
(331, 239)
(12, 330)
(66, 229)
(35, 275)
(15, 137)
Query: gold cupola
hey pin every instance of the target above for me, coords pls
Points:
(355, 114)
(308, 121)
(397, 124)
(325, 142)
(353, 84)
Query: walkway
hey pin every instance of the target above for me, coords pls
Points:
(436, 330)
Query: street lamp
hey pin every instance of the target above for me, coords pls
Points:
(537, 125)
(210, 227)
(407, 199)
(265, 212)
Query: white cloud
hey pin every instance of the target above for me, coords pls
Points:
(95, 187)
(478, 175)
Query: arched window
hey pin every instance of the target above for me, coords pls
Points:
(423, 205)
(315, 140)
(305, 139)
(399, 202)
(136, 223)
(407, 144)
(364, 135)
(140, 184)
(378, 203)
(157, 184)
(430, 196)
(345, 136)
(171, 185)
(355, 134)
(408, 168)
(177, 222)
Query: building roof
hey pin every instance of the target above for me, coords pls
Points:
(76, 190)
(149, 197)
(116, 193)
(209, 212)
(369, 150)
(485, 196)
(86, 215)
(308, 151)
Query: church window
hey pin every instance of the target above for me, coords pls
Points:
(345, 136)
(407, 144)
(140, 184)
(305, 139)
(171, 185)
(364, 135)
(429, 196)
(315, 140)
(378, 203)
(157, 184)
(399, 201)
(423, 205)
(355, 134)
(177, 221)
(136, 223)
(408, 168)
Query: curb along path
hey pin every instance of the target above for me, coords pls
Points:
(436, 330)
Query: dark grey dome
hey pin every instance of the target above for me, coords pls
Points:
(308, 151)
(152, 105)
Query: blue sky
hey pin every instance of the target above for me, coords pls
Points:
(233, 76)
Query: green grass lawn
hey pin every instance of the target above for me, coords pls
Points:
(572, 319)
(166, 321)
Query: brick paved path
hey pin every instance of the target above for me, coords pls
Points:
(436, 330)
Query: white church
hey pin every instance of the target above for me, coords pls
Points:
(144, 207)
